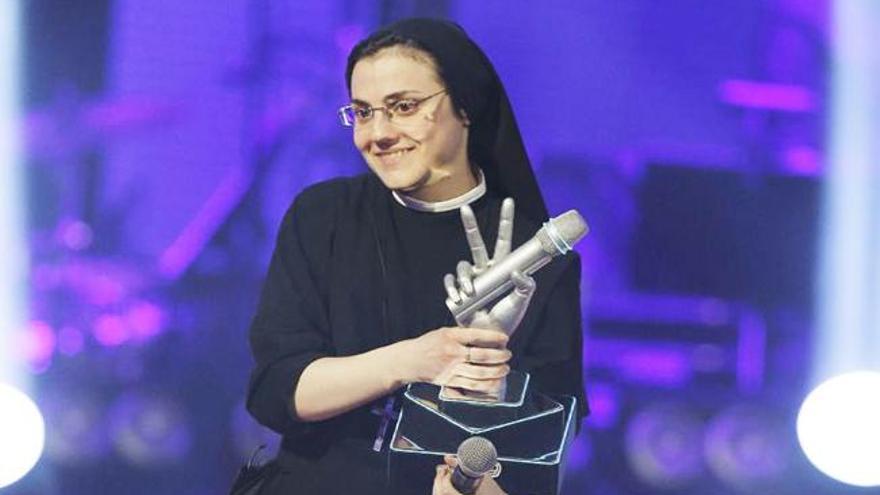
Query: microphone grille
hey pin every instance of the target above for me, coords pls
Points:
(561, 233)
(571, 226)
(477, 456)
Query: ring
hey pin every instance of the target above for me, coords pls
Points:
(468, 358)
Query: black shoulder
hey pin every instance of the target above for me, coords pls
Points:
(323, 200)
(326, 194)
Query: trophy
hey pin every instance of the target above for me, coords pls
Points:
(529, 429)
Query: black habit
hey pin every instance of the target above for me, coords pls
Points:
(354, 270)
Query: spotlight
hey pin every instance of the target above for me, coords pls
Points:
(149, 430)
(663, 445)
(839, 428)
(22, 433)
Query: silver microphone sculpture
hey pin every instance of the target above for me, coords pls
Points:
(487, 280)
(530, 429)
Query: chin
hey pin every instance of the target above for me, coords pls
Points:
(405, 181)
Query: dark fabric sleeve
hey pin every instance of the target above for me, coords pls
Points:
(290, 329)
(554, 354)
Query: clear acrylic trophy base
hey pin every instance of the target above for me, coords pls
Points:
(530, 431)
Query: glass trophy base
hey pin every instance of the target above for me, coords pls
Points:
(531, 444)
(525, 425)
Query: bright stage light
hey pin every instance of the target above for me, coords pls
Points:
(839, 428)
(21, 425)
(838, 423)
(13, 262)
(22, 433)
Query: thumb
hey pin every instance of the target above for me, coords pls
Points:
(524, 284)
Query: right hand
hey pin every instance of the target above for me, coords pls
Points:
(443, 480)
(464, 358)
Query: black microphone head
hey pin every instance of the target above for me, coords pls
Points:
(477, 457)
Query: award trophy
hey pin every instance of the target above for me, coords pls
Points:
(529, 429)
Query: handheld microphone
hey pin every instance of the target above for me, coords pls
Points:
(556, 237)
(477, 457)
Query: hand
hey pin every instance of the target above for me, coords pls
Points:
(508, 312)
(465, 358)
(443, 481)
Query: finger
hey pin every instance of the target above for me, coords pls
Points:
(465, 277)
(439, 478)
(509, 312)
(479, 337)
(451, 289)
(450, 460)
(482, 372)
(482, 319)
(480, 386)
(505, 230)
(483, 355)
(475, 240)
(445, 481)
(523, 283)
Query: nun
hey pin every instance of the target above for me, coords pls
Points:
(353, 305)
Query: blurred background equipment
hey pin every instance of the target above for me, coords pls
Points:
(659, 446)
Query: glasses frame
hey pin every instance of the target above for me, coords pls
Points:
(388, 110)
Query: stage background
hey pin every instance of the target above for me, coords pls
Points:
(166, 138)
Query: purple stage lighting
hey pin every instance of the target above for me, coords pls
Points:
(37, 344)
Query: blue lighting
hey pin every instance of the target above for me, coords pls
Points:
(849, 276)
(14, 260)
(837, 424)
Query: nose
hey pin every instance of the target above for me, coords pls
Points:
(384, 134)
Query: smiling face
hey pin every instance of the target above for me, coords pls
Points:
(423, 155)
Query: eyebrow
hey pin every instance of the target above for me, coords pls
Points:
(393, 96)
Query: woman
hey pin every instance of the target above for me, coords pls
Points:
(353, 305)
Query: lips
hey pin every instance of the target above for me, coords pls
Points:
(391, 158)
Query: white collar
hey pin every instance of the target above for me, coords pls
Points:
(446, 205)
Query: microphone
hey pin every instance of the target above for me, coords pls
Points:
(555, 238)
(477, 457)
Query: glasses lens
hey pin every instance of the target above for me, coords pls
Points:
(405, 108)
(346, 116)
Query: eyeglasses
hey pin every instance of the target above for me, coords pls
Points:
(355, 114)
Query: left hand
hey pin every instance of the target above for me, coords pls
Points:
(443, 481)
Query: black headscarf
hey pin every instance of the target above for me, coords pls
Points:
(494, 141)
